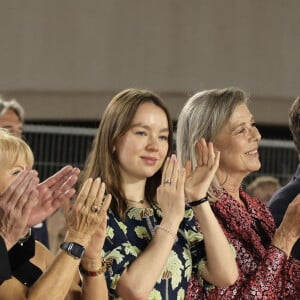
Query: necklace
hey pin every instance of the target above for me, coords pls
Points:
(138, 201)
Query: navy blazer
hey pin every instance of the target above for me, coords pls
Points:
(280, 202)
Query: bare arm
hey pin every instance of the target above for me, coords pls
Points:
(51, 285)
(82, 222)
(92, 268)
(138, 280)
(221, 268)
(94, 285)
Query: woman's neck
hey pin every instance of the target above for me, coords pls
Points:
(135, 191)
(234, 191)
(231, 185)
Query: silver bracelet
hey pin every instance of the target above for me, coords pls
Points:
(170, 232)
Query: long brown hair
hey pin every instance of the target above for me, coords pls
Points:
(102, 160)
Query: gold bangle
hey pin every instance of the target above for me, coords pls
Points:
(174, 235)
(93, 265)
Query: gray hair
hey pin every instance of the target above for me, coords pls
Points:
(203, 116)
(14, 106)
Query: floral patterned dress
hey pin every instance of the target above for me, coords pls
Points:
(126, 240)
(265, 271)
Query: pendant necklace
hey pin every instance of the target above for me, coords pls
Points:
(138, 201)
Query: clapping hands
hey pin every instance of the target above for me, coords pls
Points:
(16, 204)
(52, 193)
(199, 179)
(170, 194)
(88, 213)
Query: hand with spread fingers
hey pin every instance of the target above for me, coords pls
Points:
(88, 212)
(199, 179)
(170, 194)
(53, 192)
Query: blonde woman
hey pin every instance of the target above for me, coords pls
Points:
(44, 276)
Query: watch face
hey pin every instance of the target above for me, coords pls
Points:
(77, 250)
(73, 249)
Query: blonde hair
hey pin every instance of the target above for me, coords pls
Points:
(13, 149)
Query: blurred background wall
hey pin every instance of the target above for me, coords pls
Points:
(63, 60)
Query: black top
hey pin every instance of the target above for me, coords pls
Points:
(5, 271)
(22, 268)
(16, 262)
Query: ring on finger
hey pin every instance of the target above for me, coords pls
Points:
(168, 181)
(95, 208)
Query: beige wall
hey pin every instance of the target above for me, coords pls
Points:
(65, 59)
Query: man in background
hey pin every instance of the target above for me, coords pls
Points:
(12, 117)
(284, 196)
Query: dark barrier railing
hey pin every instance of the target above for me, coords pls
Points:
(57, 146)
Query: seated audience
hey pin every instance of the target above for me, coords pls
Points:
(263, 187)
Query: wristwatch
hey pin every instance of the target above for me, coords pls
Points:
(73, 249)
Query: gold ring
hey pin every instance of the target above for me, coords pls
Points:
(168, 181)
(95, 208)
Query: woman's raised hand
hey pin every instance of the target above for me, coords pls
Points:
(289, 230)
(88, 212)
(293, 214)
(198, 180)
(170, 194)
